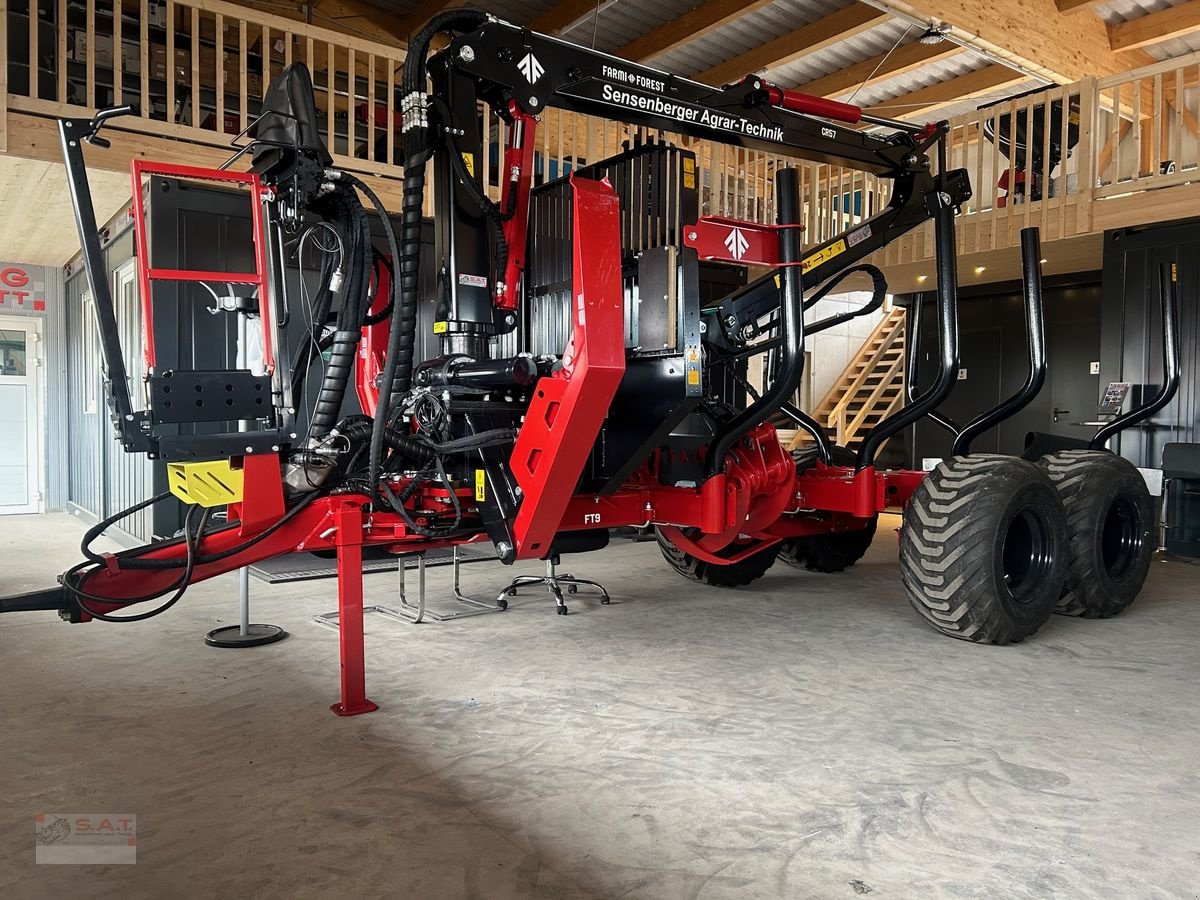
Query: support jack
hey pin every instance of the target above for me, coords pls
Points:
(244, 634)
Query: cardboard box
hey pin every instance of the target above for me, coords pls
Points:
(102, 55)
(131, 58)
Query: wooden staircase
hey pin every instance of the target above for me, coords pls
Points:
(871, 387)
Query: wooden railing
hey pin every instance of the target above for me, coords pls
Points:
(1163, 149)
(198, 71)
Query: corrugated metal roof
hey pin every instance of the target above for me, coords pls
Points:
(621, 21)
(926, 76)
(873, 42)
(519, 12)
(745, 33)
(1117, 11)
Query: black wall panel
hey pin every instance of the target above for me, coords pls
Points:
(994, 353)
(1132, 337)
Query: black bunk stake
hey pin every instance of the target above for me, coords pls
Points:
(912, 365)
(787, 194)
(941, 207)
(1035, 324)
(1168, 280)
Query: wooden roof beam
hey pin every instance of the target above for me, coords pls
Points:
(963, 87)
(1029, 34)
(424, 11)
(1173, 22)
(1070, 6)
(562, 14)
(696, 23)
(803, 41)
(880, 68)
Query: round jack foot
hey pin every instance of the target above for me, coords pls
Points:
(357, 710)
(561, 610)
(605, 600)
(255, 636)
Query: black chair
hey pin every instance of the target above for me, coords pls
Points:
(564, 542)
(1181, 472)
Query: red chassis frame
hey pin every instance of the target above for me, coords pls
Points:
(756, 502)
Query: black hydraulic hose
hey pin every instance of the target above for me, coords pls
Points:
(801, 418)
(179, 586)
(89, 536)
(321, 306)
(942, 210)
(343, 352)
(381, 262)
(404, 444)
(791, 329)
(398, 362)
(912, 363)
(1168, 280)
(131, 559)
(1035, 324)
(491, 211)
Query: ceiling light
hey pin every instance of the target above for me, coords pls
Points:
(934, 34)
(921, 279)
(1043, 261)
(979, 270)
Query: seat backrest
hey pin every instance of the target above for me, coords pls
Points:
(578, 541)
(1181, 460)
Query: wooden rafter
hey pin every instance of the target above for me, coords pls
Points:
(1173, 22)
(803, 41)
(963, 87)
(1070, 6)
(562, 14)
(424, 11)
(693, 24)
(880, 68)
(1031, 34)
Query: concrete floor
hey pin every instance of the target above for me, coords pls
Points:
(810, 738)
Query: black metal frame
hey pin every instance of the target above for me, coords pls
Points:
(1035, 323)
(132, 426)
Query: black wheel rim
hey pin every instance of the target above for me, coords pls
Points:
(1026, 556)
(1120, 537)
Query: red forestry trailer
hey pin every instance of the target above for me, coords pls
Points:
(578, 383)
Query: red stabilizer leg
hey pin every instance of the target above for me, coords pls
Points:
(354, 701)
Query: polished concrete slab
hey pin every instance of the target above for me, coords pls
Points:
(808, 738)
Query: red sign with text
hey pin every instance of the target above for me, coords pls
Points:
(18, 293)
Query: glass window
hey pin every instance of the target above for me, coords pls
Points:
(12, 352)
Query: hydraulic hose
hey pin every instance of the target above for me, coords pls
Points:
(404, 444)
(398, 364)
(343, 351)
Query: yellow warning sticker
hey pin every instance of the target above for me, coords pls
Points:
(823, 255)
(778, 282)
(689, 164)
(441, 327)
(693, 376)
(469, 162)
(1174, 272)
(689, 180)
(480, 486)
